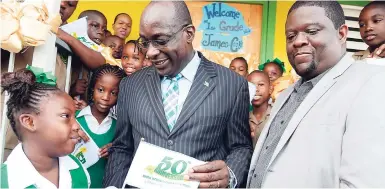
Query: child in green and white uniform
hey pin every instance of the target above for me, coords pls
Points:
(97, 120)
(43, 119)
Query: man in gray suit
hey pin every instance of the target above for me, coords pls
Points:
(206, 116)
(328, 130)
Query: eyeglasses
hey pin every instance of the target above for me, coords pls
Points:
(159, 43)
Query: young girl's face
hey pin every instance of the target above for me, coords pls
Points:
(273, 71)
(106, 92)
(56, 126)
(372, 26)
(132, 61)
(239, 66)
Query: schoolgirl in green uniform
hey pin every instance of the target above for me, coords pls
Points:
(97, 120)
(43, 119)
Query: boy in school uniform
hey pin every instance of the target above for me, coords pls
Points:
(96, 26)
(261, 108)
(372, 29)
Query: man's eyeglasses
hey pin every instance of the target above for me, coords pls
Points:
(159, 43)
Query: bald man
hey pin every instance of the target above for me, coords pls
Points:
(207, 116)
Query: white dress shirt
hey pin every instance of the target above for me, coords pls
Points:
(184, 85)
(93, 124)
(21, 172)
(185, 82)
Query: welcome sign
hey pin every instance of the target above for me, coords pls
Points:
(223, 28)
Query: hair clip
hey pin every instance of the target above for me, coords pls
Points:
(41, 76)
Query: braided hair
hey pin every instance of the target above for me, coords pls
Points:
(25, 95)
(98, 73)
(136, 46)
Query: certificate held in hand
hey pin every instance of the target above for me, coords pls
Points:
(87, 153)
(156, 167)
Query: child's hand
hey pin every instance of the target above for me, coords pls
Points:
(80, 104)
(252, 131)
(83, 135)
(103, 152)
(79, 88)
(379, 52)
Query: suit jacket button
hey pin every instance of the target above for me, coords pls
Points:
(170, 142)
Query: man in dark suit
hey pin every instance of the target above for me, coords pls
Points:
(184, 103)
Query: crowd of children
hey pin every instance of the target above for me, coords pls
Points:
(40, 113)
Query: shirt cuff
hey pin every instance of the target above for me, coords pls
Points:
(232, 180)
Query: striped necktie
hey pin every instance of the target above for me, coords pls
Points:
(170, 100)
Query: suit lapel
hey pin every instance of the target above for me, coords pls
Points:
(261, 140)
(276, 107)
(311, 99)
(202, 85)
(155, 96)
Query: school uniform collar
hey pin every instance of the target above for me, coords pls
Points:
(360, 55)
(87, 111)
(22, 174)
(191, 68)
(265, 116)
(364, 53)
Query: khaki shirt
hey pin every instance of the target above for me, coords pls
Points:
(258, 125)
(361, 55)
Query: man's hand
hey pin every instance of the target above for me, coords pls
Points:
(103, 152)
(213, 174)
(379, 52)
(83, 135)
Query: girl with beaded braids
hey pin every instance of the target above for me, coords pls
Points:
(43, 119)
(97, 120)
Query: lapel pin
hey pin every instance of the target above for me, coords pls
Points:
(206, 83)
